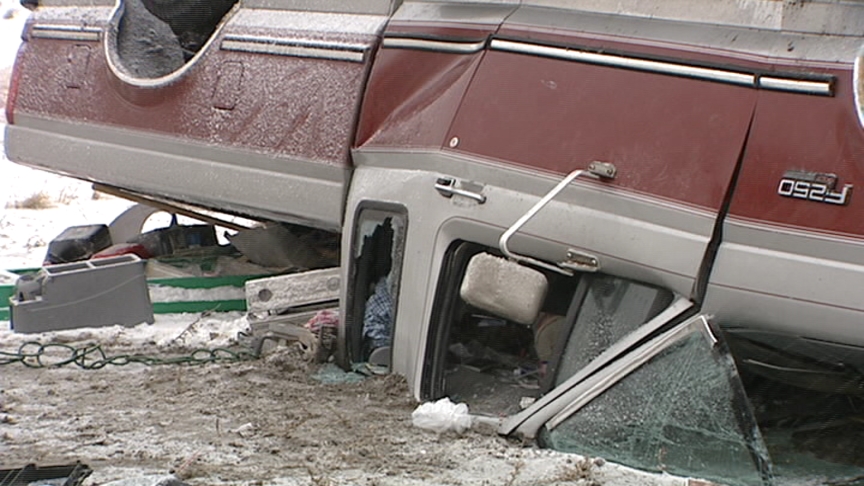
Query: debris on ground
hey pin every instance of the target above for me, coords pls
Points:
(32, 475)
(442, 416)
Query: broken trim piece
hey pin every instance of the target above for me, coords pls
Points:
(315, 49)
(815, 85)
(66, 32)
(434, 45)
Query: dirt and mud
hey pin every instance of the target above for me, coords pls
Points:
(262, 422)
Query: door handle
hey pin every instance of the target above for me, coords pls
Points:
(446, 186)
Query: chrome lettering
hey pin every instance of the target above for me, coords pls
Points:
(814, 191)
(785, 188)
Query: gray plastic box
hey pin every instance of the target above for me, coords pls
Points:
(95, 293)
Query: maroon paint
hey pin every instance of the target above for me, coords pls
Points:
(670, 137)
(811, 133)
(281, 104)
(412, 97)
(14, 85)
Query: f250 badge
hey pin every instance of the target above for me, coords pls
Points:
(813, 186)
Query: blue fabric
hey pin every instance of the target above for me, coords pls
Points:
(378, 316)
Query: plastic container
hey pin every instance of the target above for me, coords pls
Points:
(95, 293)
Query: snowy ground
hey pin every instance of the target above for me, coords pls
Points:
(264, 422)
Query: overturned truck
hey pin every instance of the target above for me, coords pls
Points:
(621, 229)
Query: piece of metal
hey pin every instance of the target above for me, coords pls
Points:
(68, 475)
(503, 242)
(580, 261)
(605, 170)
(175, 207)
(817, 87)
(434, 45)
(791, 83)
(334, 51)
(446, 186)
(661, 67)
(858, 85)
(66, 32)
(293, 290)
(278, 329)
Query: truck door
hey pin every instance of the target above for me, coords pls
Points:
(557, 90)
(252, 113)
(788, 272)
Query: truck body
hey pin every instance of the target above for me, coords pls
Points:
(707, 155)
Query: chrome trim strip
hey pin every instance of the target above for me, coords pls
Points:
(721, 75)
(796, 85)
(857, 88)
(433, 45)
(296, 47)
(312, 43)
(66, 32)
(739, 78)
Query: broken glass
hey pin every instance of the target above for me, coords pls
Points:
(376, 271)
(683, 412)
(613, 307)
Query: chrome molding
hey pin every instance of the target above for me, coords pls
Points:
(66, 32)
(588, 57)
(433, 45)
(857, 88)
(333, 51)
(823, 88)
(739, 78)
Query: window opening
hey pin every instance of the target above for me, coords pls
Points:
(483, 359)
(377, 268)
(157, 37)
(499, 366)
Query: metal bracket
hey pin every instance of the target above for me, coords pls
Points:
(580, 261)
(576, 260)
(603, 170)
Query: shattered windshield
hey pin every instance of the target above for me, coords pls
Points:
(682, 413)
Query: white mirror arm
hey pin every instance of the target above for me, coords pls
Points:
(505, 238)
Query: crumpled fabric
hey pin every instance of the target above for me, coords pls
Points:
(322, 319)
(378, 316)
